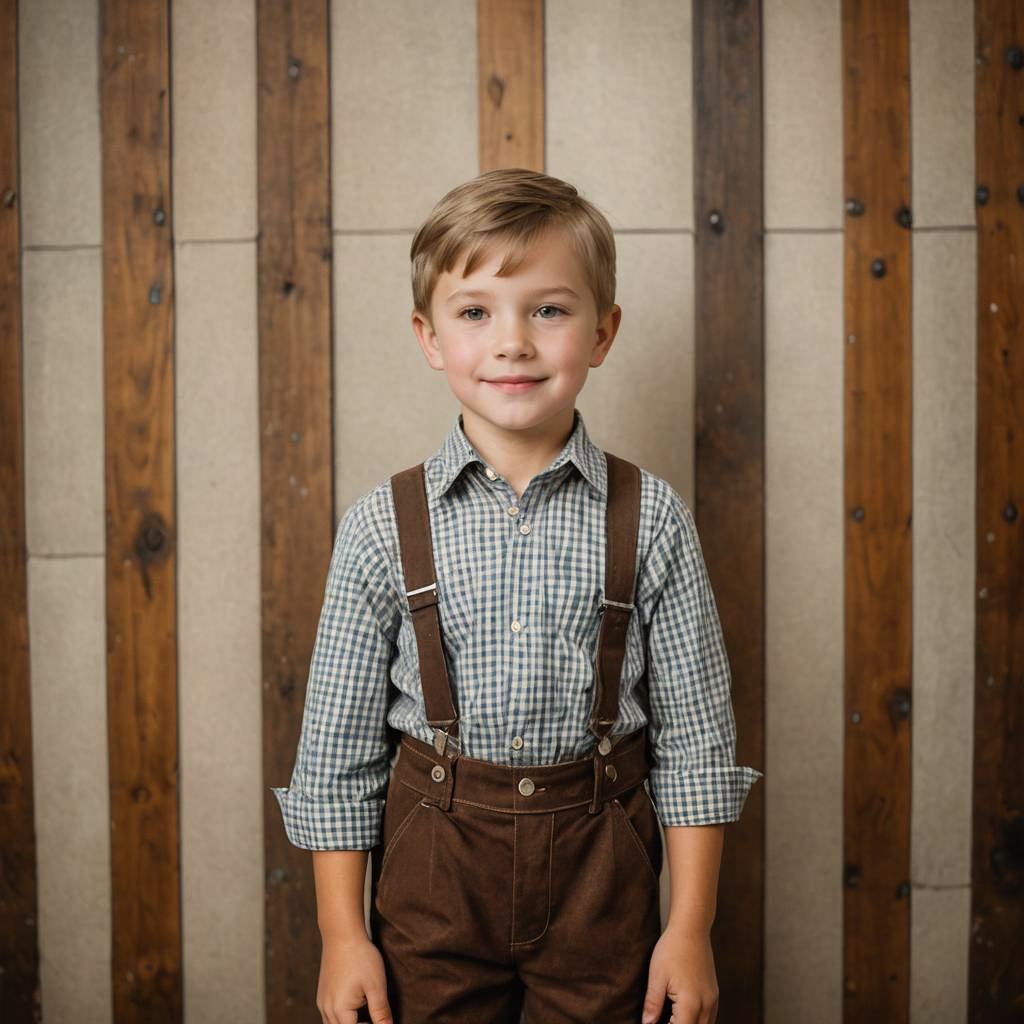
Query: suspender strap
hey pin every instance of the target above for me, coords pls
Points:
(410, 496)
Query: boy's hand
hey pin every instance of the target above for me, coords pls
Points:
(352, 976)
(683, 967)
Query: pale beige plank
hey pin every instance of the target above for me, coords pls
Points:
(59, 115)
(803, 126)
(69, 741)
(219, 631)
(804, 638)
(619, 107)
(404, 117)
(213, 79)
(944, 417)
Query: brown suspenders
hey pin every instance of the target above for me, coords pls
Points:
(417, 551)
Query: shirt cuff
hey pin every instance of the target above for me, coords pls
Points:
(701, 796)
(338, 825)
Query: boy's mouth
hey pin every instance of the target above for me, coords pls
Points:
(514, 385)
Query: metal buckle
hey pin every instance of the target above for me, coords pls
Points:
(609, 603)
(422, 590)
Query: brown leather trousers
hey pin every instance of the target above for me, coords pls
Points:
(497, 891)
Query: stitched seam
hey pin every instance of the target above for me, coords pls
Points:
(510, 810)
(636, 838)
(399, 832)
(515, 838)
(547, 922)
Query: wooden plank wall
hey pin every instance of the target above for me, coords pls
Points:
(877, 467)
(138, 324)
(19, 945)
(996, 970)
(729, 471)
(296, 477)
(511, 54)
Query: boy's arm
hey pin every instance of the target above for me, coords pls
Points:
(340, 877)
(694, 859)
(336, 796)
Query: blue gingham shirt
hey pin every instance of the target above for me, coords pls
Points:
(520, 580)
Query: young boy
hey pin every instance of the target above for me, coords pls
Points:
(559, 684)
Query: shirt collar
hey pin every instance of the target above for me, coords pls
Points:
(457, 452)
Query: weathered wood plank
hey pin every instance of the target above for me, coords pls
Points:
(996, 967)
(138, 328)
(511, 55)
(729, 289)
(878, 494)
(19, 938)
(297, 512)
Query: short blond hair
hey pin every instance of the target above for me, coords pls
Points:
(511, 206)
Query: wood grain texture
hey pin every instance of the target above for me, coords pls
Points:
(996, 966)
(138, 328)
(511, 54)
(877, 499)
(296, 457)
(19, 937)
(729, 287)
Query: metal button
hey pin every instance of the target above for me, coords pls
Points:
(516, 626)
(437, 773)
(526, 786)
(609, 770)
(605, 745)
(525, 528)
(517, 742)
(491, 475)
(513, 510)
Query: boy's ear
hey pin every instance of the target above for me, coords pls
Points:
(427, 338)
(607, 328)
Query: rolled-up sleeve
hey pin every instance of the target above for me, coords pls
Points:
(695, 779)
(336, 797)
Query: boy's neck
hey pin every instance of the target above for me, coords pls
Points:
(519, 455)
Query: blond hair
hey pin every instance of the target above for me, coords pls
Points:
(510, 206)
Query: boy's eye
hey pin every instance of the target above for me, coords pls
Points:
(467, 313)
(554, 311)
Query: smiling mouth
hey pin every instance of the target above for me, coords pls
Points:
(515, 386)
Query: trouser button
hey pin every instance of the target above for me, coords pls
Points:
(526, 786)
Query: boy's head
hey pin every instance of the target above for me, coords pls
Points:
(509, 209)
(513, 278)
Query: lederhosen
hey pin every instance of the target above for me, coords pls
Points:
(512, 884)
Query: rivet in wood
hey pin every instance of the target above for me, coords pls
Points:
(993, 307)
(9, 196)
(276, 876)
(858, 513)
(855, 718)
(983, 593)
(899, 705)
(1015, 57)
(1010, 512)
(904, 217)
(154, 295)
(878, 268)
(991, 681)
(990, 536)
(717, 222)
(295, 436)
(159, 217)
(294, 66)
(902, 890)
(854, 207)
(851, 876)
(851, 339)
(981, 195)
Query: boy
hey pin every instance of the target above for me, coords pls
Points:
(543, 611)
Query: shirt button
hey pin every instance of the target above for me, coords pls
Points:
(512, 510)
(517, 742)
(525, 528)
(516, 626)
(491, 475)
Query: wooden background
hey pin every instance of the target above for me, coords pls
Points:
(205, 357)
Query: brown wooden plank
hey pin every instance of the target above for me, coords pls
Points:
(19, 939)
(511, 56)
(996, 964)
(296, 455)
(138, 333)
(729, 288)
(877, 482)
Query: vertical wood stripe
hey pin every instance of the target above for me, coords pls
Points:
(511, 55)
(19, 940)
(996, 967)
(729, 470)
(297, 515)
(138, 333)
(877, 466)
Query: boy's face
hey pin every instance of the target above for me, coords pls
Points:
(539, 323)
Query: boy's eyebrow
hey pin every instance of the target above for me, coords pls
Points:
(477, 293)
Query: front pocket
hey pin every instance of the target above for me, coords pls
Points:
(401, 807)
(637, 813)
